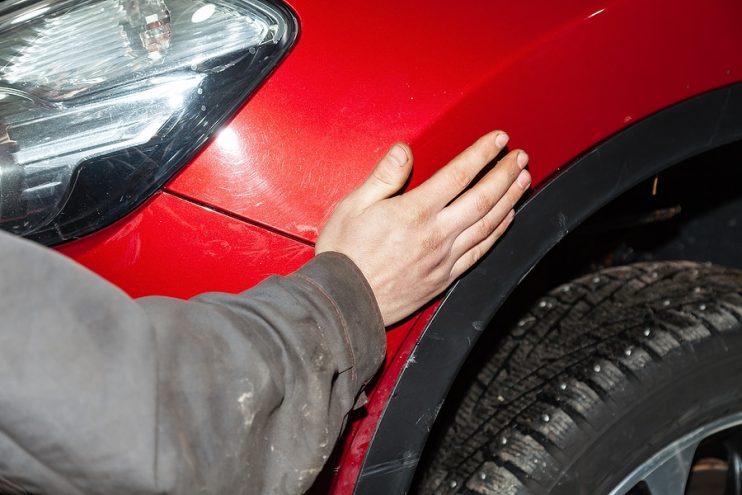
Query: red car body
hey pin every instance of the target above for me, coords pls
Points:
(560, 77)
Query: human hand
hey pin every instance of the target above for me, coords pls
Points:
(412, 246)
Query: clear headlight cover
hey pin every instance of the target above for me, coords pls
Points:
(101, 101)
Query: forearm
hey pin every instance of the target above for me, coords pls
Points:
(107, 395)
(288, 361)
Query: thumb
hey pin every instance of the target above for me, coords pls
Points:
(387, 178)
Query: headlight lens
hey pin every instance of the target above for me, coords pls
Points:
(101, 101)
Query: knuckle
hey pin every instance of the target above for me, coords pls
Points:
(418, 215)
(485, 228)
(482, 204)
(460, 177)
(474, 255)
(439, 277)
(505, 222)
(433, 242)
(382, 177)
(345, 205)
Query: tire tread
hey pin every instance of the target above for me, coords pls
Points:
(513, 429)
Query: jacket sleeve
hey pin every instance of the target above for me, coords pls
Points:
(224, 393)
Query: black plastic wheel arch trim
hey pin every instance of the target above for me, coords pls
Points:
(634, 154)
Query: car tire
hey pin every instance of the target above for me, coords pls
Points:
(597, 377)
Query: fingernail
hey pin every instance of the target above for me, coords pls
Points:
(502, 139)
(510, 216)
(398, 155)
(522, 159)
(524, 179)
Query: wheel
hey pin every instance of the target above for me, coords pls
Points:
(625, 381)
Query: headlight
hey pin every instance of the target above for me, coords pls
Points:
(101, 101)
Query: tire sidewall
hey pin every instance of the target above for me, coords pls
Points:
(691, 387)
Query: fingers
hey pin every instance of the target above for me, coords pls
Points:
(411, 247)
(506, 182)
(485, 226)
(469, 258)
(386, 179)
(452, 179)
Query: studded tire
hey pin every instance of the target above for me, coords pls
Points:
(597, 377)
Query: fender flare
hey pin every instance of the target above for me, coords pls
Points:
(634, 154)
